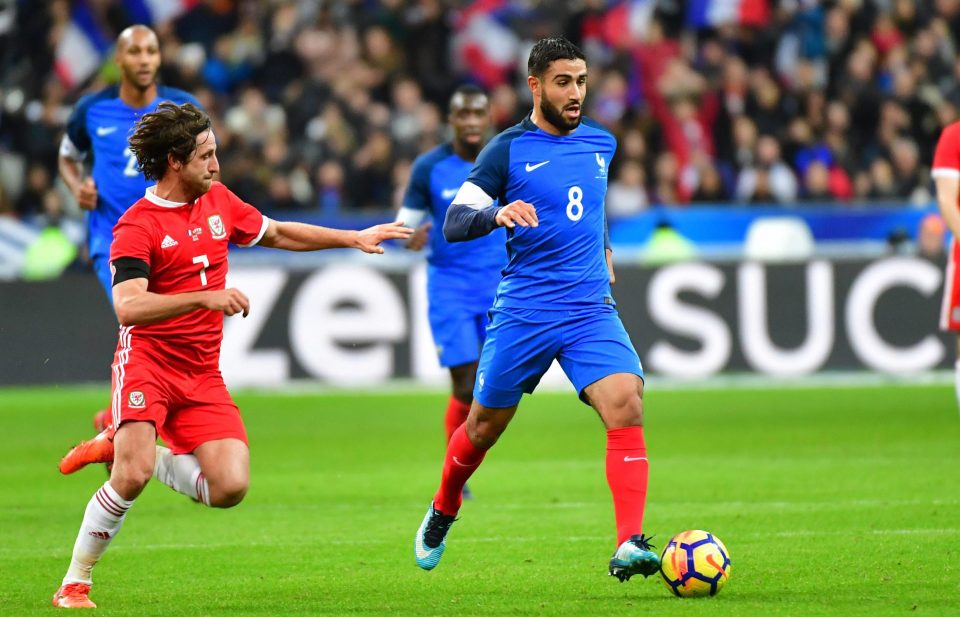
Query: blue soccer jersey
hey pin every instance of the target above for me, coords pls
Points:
(462, 277)
(561, 263)
(98, 129)
(434, 181)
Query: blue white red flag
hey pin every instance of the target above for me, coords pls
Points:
(709, 13)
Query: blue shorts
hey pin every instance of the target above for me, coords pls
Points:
(590, 343)
(458, 312)
(101, 267)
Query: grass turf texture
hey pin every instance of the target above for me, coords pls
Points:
(831, 501)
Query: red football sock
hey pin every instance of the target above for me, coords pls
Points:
(456, 415)
(461, 461)
(627, 473)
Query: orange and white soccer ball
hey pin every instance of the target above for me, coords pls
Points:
(695, 563)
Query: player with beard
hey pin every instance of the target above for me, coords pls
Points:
(169, 259)
(95, 162)
(462, 277)
(545, 180)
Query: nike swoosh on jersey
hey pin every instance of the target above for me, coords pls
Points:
(630, 459)
(449, 193)
(532, 167)
(103, 131)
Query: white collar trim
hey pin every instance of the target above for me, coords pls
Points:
(151, 195)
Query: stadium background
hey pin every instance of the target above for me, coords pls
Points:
(797, 132)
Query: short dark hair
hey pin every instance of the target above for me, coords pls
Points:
(546, 51)
(171, 129)
(465, 90)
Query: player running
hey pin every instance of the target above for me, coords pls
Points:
(169, 259)
(96, 139)
(462, 278)
(545, 181)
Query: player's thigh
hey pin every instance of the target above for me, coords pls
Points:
(518, 350)
(596, 345)
(204, 412)
(455, 333)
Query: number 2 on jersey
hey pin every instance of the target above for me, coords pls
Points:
(130, 170)
(202, 259)
(575, 203)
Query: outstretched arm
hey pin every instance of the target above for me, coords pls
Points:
(291, 236)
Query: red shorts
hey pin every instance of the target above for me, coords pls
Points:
(188, 408)
(950, 309)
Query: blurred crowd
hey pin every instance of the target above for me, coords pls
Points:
(321, 106)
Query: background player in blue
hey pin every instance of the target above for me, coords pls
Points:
(95, 161)
(462, 277)
(545, 181)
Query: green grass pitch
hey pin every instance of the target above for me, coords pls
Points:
(838, 502)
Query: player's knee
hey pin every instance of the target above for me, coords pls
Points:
(624, 409)
(483, 434)
(130, 479)
(228, 492)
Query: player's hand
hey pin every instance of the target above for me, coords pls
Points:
(86, 194)
(369, 239)
(517, 213)
(230, 301)
(419, 238)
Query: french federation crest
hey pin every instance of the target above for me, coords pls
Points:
(137, 399)
(602, 164)
(216, 227)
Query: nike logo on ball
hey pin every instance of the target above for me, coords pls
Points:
(532, 167)
(630, 459)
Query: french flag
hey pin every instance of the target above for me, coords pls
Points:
(157, 11)
(485, 43)
(82, 45)
(709, 13)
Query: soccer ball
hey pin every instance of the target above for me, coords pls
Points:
(695, 563)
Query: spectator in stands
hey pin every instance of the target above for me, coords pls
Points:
(769, 179)
(627, 194)
(853, 77)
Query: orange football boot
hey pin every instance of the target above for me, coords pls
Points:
(73, 595)
(96, 450)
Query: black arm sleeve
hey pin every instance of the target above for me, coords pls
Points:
(464, 223)
(126, 268)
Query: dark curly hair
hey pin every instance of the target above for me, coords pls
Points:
(171, 129)
(546, 51)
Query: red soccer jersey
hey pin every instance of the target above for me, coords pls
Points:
(946, 158)
(185, 246)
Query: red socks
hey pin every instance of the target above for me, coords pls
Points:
(461, 460)
(456, 415)
(627, 473)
